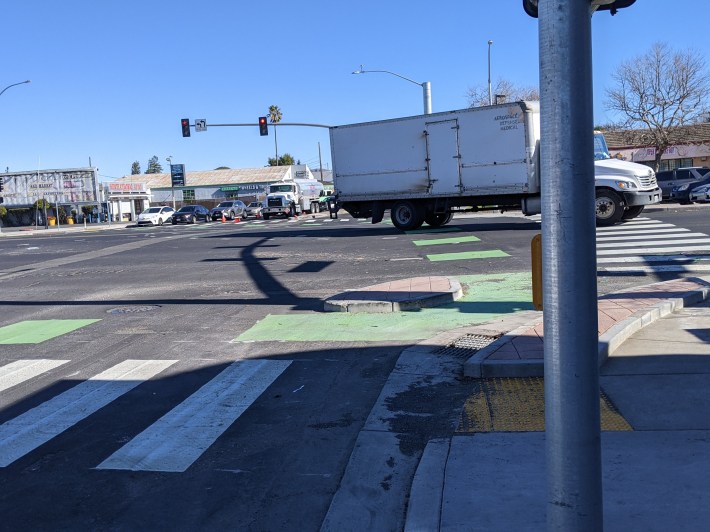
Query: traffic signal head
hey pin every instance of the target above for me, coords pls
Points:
(263, 127)
(185, 123)
(530, 6)
(2, 184)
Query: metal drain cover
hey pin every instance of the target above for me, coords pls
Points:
(131, 310)
(468, 344)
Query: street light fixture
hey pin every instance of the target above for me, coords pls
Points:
(20, 83)
(490, 91)
(426, 86)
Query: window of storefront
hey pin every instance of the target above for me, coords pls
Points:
(672, 164)
(188, 194)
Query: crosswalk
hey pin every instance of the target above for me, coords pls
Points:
(170, 444)
(645, 245)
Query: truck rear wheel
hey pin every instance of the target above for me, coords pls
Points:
(608, 208)
(437, 220)
(632, 212)
(407, 215)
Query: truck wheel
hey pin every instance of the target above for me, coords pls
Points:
(632, 212)
(608, 208)
(407, 215)
(265, 216)
(437, 220)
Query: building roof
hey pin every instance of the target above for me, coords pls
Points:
(267, 174)
(638, 138)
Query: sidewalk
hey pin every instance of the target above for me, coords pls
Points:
(491, 473)
(655, 400)
(62, 229)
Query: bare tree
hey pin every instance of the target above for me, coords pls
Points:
(504, 91)
(658, 92)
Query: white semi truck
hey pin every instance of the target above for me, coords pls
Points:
(292, 197)
(425, 168)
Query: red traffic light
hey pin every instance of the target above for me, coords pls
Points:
(263, 127)
(185, 123)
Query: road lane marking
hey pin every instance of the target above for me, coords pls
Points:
(465, 255)
(652, 258)
(440, 241)
(35, 427)
(637, 251)
(177, 439)
(657, 242)
(20, 371)
(645, 235)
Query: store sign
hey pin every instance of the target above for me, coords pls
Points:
(117, 188)
(177, 175)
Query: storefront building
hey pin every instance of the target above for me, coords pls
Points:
(690, 147)
(129, 195)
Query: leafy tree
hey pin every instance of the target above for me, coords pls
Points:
(285, 160)
(135, 168)
(223, 168)
(658, 92)
(503, 90)
(275, 116)
(154, 166)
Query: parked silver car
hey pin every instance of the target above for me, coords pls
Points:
(254, 208)
(229, 209)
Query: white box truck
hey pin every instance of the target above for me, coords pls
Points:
(424, 168)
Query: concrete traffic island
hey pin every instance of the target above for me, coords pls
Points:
(396, 296)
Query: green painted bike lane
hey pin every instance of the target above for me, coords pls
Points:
(485, 297)
(38, 331)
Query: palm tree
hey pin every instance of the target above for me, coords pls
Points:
(275, 116)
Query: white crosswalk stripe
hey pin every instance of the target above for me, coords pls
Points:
(20, 371)
(35, 427)
(170, 444)
(180, 437)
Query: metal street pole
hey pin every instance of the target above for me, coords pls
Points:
(172, 188)
(14, 84)
(572, 419)
(490, 90)
(426, 85)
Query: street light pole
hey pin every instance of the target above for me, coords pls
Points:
(14, 84)
(426, 86)
(169, 158)
(490, 91)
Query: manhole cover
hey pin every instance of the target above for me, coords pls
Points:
(131, 310)
(468, 344)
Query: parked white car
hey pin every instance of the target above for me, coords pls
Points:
(701, 194)
(155, 215)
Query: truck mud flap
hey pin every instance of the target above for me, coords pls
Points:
(378, 211)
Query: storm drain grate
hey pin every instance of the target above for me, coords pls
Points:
(467, 345)
(131, 310)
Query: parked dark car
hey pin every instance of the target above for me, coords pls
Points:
(669, 179)
(681, 193)
(189, 214)
(231, 209)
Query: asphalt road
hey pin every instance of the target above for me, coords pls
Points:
(205, 309)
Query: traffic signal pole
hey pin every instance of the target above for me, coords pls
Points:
(572, 418)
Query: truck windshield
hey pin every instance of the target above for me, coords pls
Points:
(281, 188)
(601, 151)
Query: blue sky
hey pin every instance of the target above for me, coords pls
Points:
(111, 80)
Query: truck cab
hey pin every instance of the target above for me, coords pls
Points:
(623, 188)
